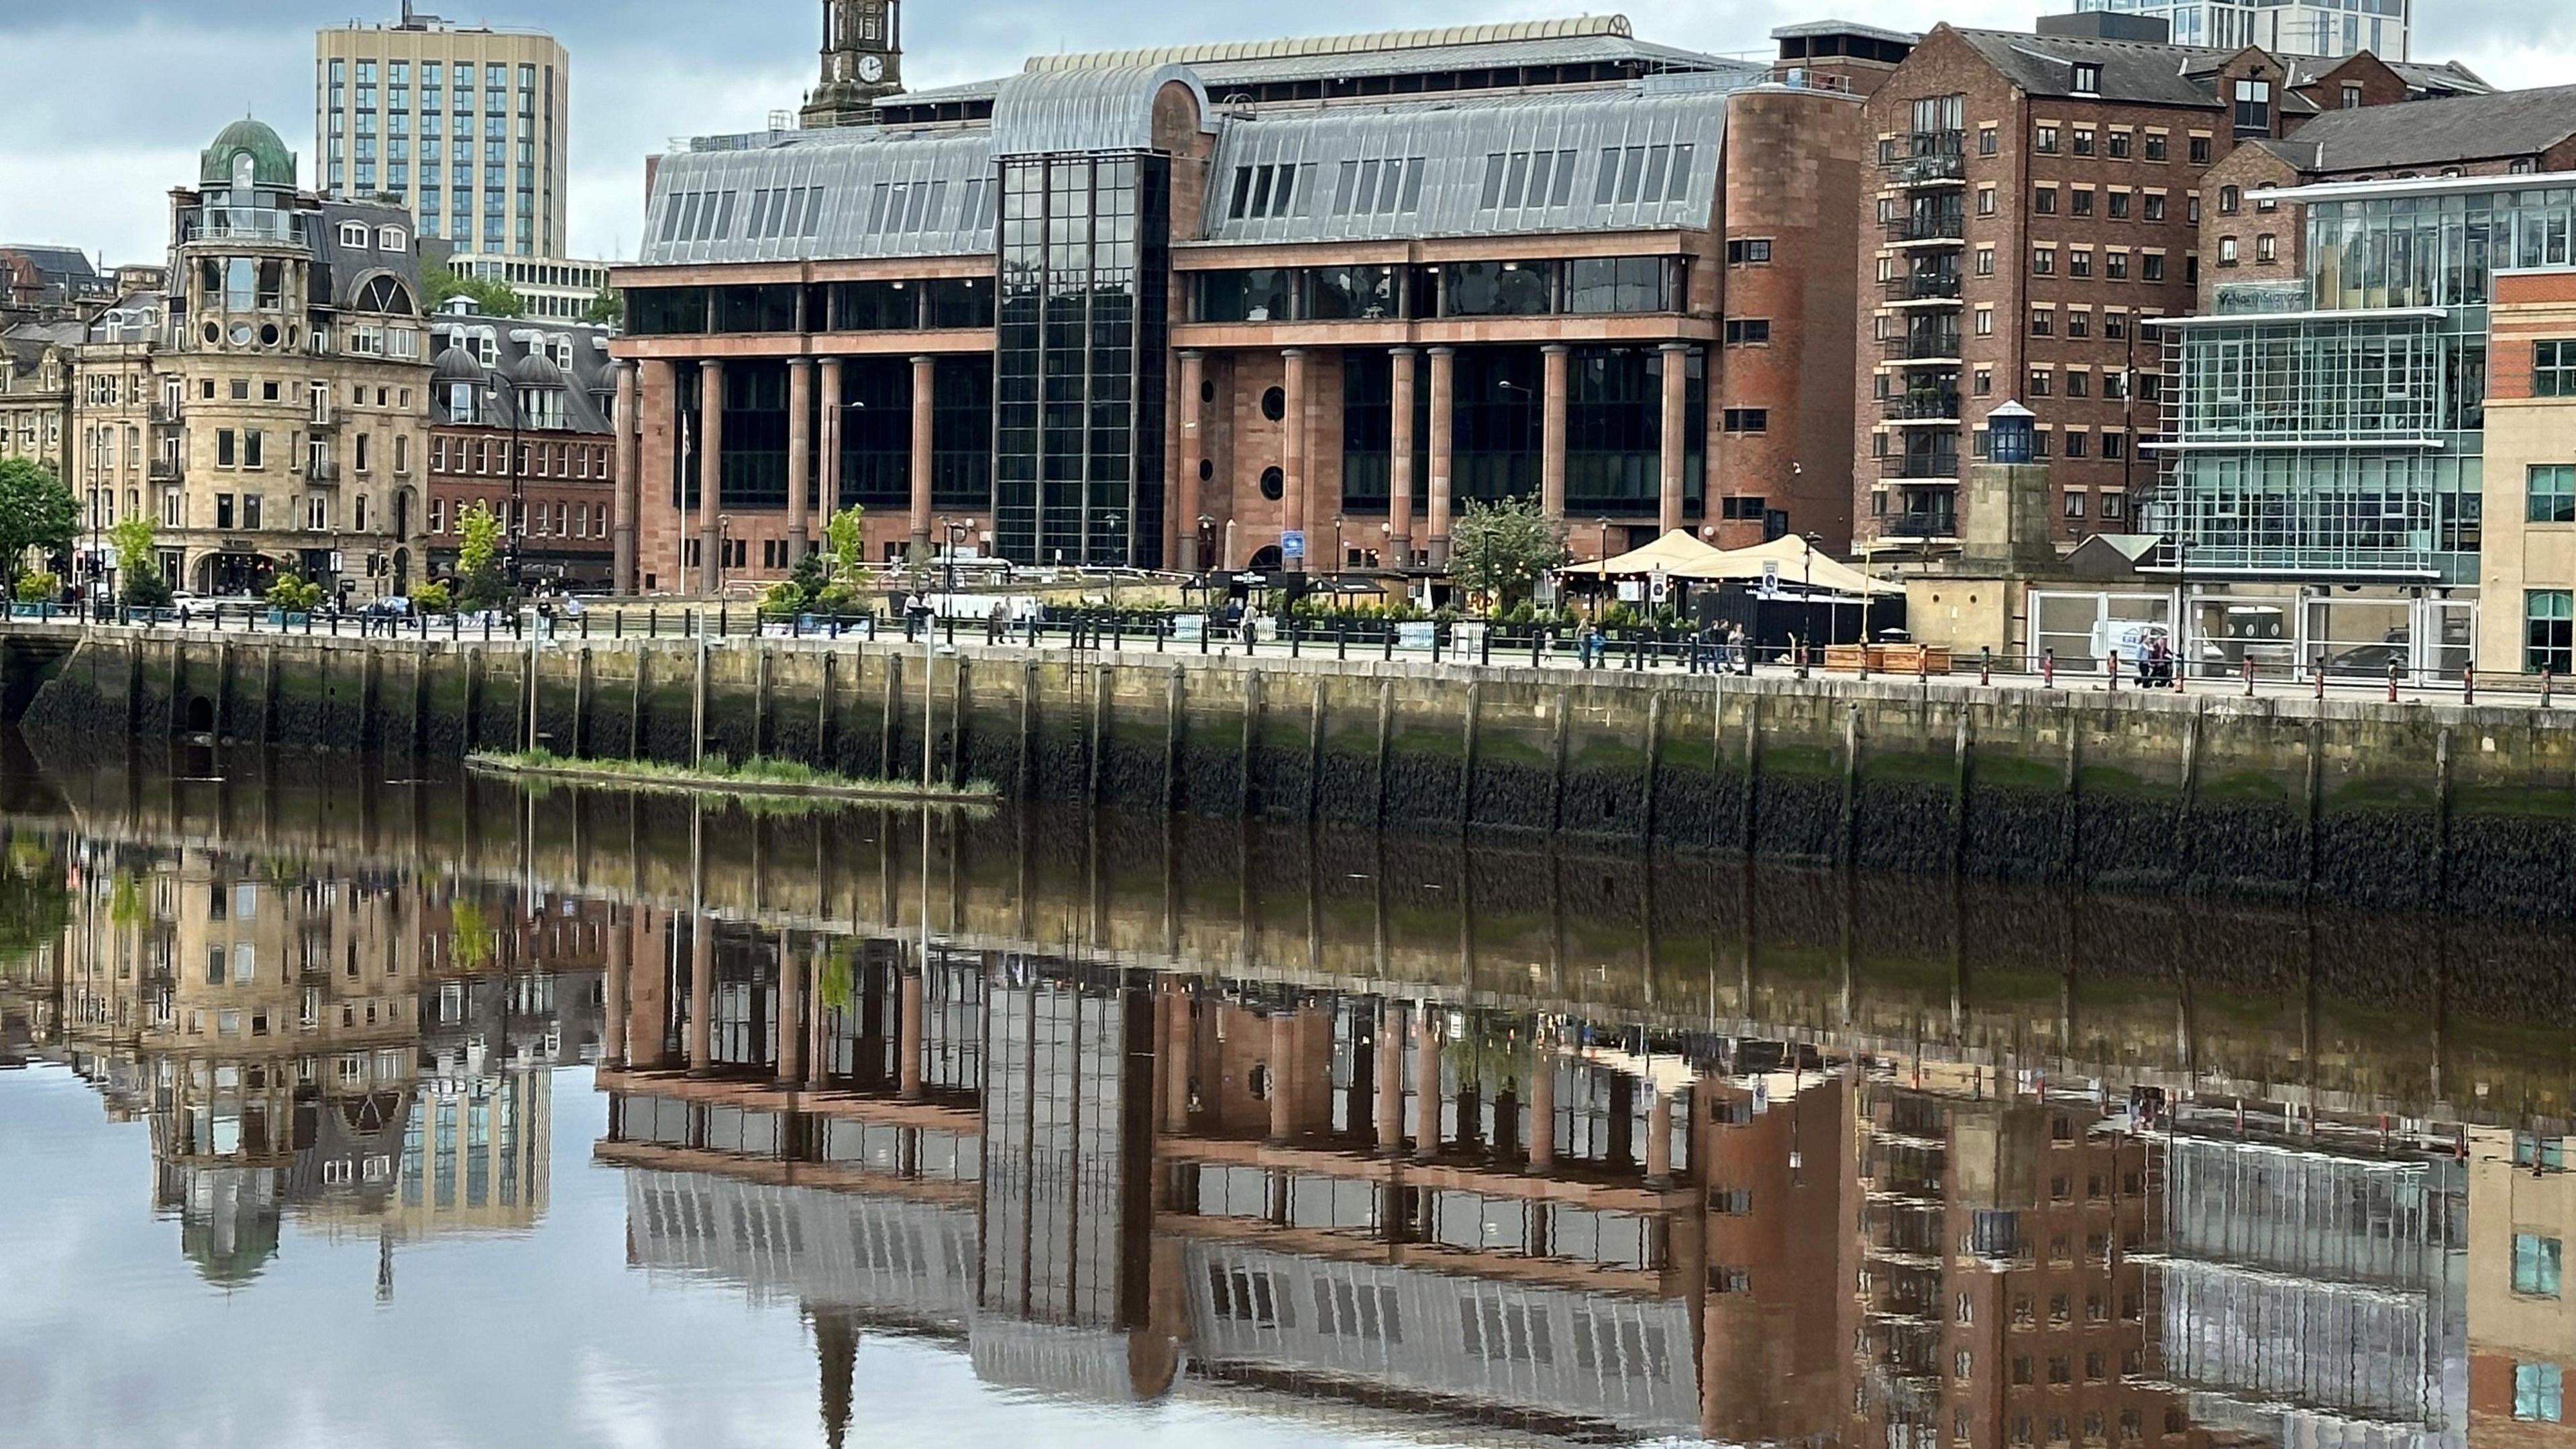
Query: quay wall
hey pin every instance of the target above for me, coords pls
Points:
(2408, 806)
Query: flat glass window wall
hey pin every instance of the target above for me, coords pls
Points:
(937, 303)
(1376, 292)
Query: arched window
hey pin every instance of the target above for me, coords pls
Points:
(385, 294)
(353, 234)
(391, 239)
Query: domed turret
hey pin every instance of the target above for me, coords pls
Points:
(455, 364)
(271, 163)
(536, 370)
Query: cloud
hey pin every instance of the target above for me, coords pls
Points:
(111, 98)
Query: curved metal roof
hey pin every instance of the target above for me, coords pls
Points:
(1557, 29)
(1108, 108)
(945, 182)
(1476, 161)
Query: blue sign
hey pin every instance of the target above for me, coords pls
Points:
(1292, 544)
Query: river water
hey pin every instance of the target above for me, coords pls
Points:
(339, 1109)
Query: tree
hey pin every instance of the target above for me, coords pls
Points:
(608, 309)
(37, 514)
(491, 296)
(1500, 550)
(478, 559)
(294, 595)
(846, 541)
(138, 566)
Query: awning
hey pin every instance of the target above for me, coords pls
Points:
(1799, 566)
(1676, 555)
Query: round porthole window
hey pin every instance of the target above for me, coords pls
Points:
(241, 334)
(214, 332)
(1274, 484)
(1274, 404)
(268, 335)
(1207, 392)
(1207, 470)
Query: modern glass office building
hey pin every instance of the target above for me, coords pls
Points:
(2333, 429)
(2284, 27)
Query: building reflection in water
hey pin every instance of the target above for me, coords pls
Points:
(1759, 1157)
(359, 1051)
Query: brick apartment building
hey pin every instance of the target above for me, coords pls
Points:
(520, 420)
(2039, 196)
(1335, 288)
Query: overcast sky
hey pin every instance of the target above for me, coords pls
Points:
(108, 101)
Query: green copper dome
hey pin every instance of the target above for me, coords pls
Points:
(271, 163)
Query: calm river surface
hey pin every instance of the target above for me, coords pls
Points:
(337, 1110)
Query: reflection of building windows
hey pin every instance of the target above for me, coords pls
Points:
(2538, 1394)
(1346, 1310)
(1246, 1296)
(1620, 1346)
(2535, 1265)
(1492, 1329)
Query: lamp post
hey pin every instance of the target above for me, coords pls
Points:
(1339, 558)
(1600, 577)
(724, 546)
(1207, 544)
(1807, 586)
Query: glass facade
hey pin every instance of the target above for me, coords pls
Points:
(1078, 388)
(2338, 429)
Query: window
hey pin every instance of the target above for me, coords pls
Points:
(2083, 141)
(2079, 262)
(353, 235)
(1983, 382)
(1985, 322)
(2079, 384)
(2553, 368)
(2074, 441)
(2549, 493)
(2151, 267)
(2539, 1392)
(391, 239)
(1985, 201)
(225, 457)
(2156, 145)
(2079, 323)
(2351, 96)
(1748, 332)
(2199, 150)
(2535, 1258)
(2042, 322)
(2042, 382)
(1985, 261)
(2229, 199)
(1748, 420)
(2115, 267)
(1755, 252)
(2114, 505)
(1986, 140)
(2264, 200)
(2151, 206)
(2088, 79)
(2044, 140)
(2043, 201)
(2119, 144)
(2266, 247)
(2227, 251)
(2549, 643)
(2043, 261)
(2253, 108)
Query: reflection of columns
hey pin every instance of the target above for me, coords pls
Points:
(702, 994)
(1444, 373)
(920, 457)
(1185, 524)
(621, 959)
(1659, 1137)
(629, 487)
(836, 1353)
(829, 376)
(1181, 1040)
(800, 451)
(710, 475)
(1426, 1082)
(1283, 1045)
(791, 1036)
(1390, 1077)
(1542, 1105)
(1668, 509)
(1399, 464)
(1292, 452)
(818, 1055)
(908, 1037)
(1551, 446)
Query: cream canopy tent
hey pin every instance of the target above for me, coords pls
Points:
(1675, 555)
(1798, 564)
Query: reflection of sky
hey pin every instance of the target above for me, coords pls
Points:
(108, 1336)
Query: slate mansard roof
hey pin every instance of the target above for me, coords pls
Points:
(2433, 133)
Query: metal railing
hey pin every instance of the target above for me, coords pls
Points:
(1920, 463)
(1921, 407)
(1917, 346)
(1928, 226)
(1924, 287)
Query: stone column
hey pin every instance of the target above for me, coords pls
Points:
(1443, 375)
(800, 448)
(818, 1055)
(1185, 523)
(1551, 446)
(702, 994)
(1668, 510)
(1292, 455)
(710, 475)
(1283, 1049)
(1181, 1040)
(828, 375)
(1390, 1078)
(1659, 1138)
(621, 943)
(790, 1030)
(908, 1038)
(1542, 1105)
(1399, 463)
(920, 454)
(1426, 1081)
(628, 486)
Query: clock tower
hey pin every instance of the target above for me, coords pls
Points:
(862, 60)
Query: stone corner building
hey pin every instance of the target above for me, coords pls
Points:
(288, 433)
(1274, 305)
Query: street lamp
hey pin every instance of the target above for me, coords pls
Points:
(724, 546)
(1600, 576)
(1207, 544)
(1339, 559)
(1807, 586)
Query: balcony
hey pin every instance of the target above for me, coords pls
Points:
(1922, 344)
(1929, 158)
(1924, 527)
(1934, 226)
(1932, 287)
(1922, 407)
(166, 470)
(327, 418)
(168, 412)
(1921, 463)
(323, 471)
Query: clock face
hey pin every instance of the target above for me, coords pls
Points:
(871, 67)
